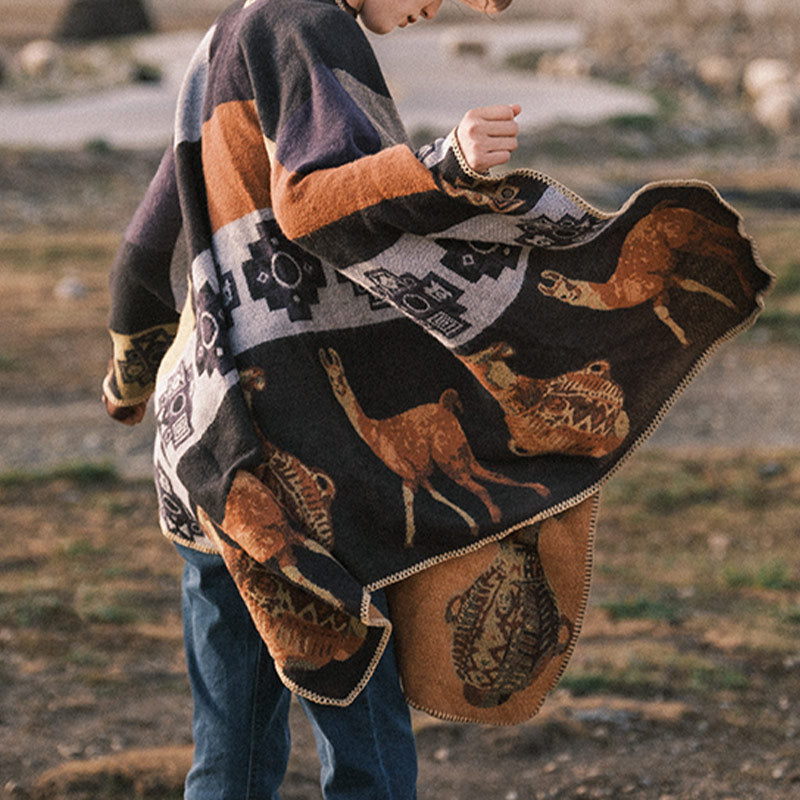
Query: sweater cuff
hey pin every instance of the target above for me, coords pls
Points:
(136, 359)
(446, 161)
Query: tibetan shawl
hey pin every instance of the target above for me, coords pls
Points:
(379, 368)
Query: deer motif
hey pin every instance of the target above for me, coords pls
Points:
(646, 267)
(413, 443)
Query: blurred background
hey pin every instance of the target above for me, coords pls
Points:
(686, 680)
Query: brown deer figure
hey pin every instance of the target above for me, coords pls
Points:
(413, 443)
(646, 267)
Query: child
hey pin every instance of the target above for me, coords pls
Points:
(387, 362)
(300, 76)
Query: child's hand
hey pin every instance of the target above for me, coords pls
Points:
(487, 136)
(128, 415)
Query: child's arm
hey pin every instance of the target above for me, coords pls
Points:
(143, 317)
(344, 182)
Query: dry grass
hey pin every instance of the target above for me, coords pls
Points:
(93, 661)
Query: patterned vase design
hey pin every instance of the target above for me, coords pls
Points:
(506, 627)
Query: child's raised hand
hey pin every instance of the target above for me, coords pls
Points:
(487, 136)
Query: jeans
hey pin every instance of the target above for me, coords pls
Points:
(241, 731)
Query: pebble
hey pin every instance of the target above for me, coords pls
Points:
(771, 469)
(71, 288)
(68, 750)
(762, 73)
(39, 57)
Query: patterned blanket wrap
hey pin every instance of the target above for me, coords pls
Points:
(586, 329)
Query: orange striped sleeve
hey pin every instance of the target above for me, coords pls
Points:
(235, 163)
(305, 203)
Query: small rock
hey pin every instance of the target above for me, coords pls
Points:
(70, 288)
(97, 19)
(762, 73)
(771, 469)
(38, 58)
(68, 750)
(442, 754)
(718, 544)
(567, 64)
(467, 48)
(718, 73)
(777, 107)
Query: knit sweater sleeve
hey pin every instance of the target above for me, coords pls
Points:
(143, 318)
(344, 181)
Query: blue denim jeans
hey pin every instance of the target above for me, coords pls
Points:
(241, 708)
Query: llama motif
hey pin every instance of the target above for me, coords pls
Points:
(577, 413)
(305, 493)
(413, 443)
(645, 270)
(506, 627)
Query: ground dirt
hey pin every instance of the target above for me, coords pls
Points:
(686, 679)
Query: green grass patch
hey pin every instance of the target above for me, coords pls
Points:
(678, 497)
(82, 474)
(583, 684)
(36, 254)
(788, 280)
(781, 325)
(523, 60)
(643, 123)
(82, 656)
(85, 548)
(40, 610)
(673, 488)
(107, 605)
(717, 679)
(773, 575)
(645, 676)
(8, 363)
(664, 493)
(792, 615)
(631, 683)
(110, 614)
(643, 608)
